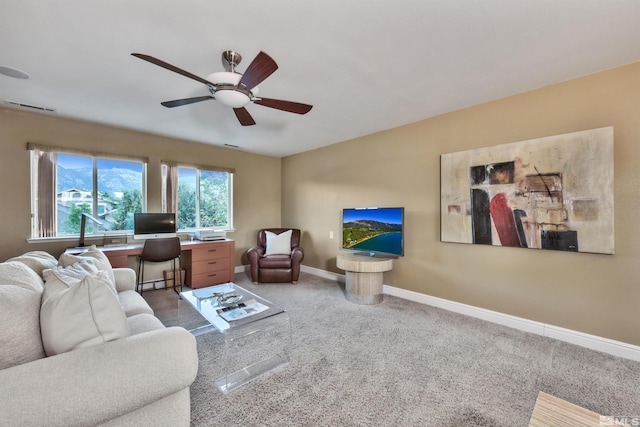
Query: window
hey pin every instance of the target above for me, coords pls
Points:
(203, 196)
(66, 185)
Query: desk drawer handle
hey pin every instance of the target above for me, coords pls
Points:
(213, 262)
(212, 275)
(212, 250)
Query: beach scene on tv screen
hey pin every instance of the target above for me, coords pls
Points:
(373, 230)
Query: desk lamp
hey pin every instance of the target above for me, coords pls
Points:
(83, 223)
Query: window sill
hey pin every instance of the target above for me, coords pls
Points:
(101, 239)
(89, 240)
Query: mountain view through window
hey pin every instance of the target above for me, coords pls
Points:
(107, 189)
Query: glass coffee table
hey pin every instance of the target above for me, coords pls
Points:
(257, 333)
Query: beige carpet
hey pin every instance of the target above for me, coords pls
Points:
(401, 363)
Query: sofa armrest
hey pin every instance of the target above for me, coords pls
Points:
(125, 279)
(255, 252)
(89, 386)
(297, 255)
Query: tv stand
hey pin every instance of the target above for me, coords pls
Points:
(363, 277)
(374, 255)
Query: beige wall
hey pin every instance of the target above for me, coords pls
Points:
(595, 294)
(254, 205)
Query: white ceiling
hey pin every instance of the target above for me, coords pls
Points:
(365, 66)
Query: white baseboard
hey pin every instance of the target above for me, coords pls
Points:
(468, 310)
(322, 273)
(593, 342)
(315, 271)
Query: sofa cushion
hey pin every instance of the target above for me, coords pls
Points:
(85, 314)
(278, 244)
(94, 254)
(144, 322)
(20, 295)
(132, 303)
(275, 261)
(38, 261)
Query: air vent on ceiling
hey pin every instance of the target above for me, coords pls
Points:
(29, 107)
(231, 146)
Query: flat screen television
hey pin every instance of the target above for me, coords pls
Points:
(154, 225)
(373, 231)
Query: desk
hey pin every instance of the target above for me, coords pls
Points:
(206, 263)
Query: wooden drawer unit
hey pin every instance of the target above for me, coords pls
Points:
(209, 263)
(209, 272)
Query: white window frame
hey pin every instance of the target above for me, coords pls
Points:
(95, 157)
(166, 165)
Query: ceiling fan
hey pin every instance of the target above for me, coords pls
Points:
(232, 88)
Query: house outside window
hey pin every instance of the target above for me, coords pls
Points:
(64, 186)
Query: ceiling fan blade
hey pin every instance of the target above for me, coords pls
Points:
(260, 68)
(244, 117)
(170, 67)
(292, 107)
(186, 101)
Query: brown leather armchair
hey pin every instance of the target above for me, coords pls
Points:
(278, 267)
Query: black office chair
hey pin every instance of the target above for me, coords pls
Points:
(161, 250)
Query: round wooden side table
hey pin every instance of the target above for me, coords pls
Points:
(364, 276)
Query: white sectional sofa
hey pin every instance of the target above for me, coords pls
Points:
(78, 346)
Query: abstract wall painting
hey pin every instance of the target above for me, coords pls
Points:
(547, 193)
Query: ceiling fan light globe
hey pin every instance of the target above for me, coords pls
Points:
(225, 93)
(225, 77)
(232, 98)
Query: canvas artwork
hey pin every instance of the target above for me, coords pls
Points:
(547, 193)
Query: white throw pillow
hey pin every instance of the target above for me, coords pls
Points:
(100, 259)
(20, 294)
(278, 244)
(84, 315)
(61, 278)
